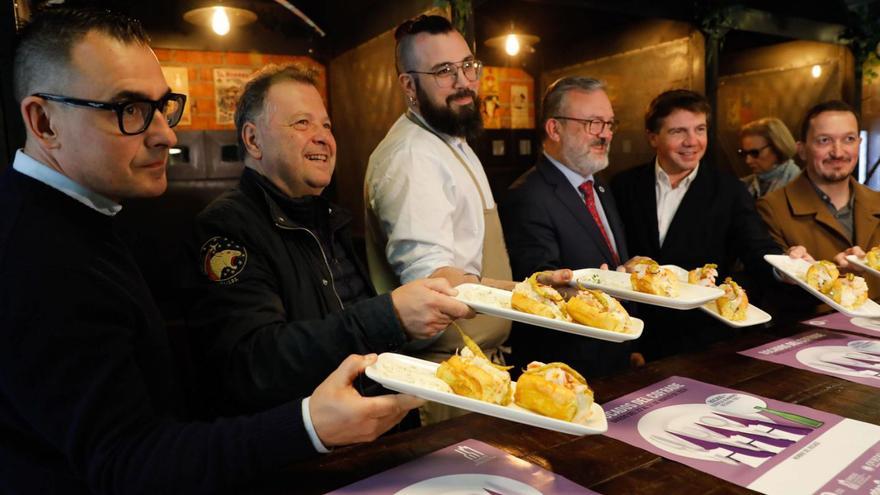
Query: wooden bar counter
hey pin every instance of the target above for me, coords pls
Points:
(600, 463)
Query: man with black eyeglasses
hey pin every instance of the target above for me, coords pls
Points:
(558, 214)
(89, 400)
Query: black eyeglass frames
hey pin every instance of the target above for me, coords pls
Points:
(134, 116)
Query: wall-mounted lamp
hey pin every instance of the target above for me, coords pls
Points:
(816, 71)
(514, 43)
(220, 18)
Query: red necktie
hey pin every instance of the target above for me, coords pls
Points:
(590, 200)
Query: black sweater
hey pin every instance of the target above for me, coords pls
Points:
(88, 396)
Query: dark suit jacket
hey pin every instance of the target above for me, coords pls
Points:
(715, 223)
(547, 226)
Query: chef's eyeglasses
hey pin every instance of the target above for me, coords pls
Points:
(134, 116)
(446, 75)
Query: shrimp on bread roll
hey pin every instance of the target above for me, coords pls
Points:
(734, 303)
(704, 276)
(554, 390)
(531, 296)
(595, 308)
(872, 258)
(471, 374)
(821, 275)
(849, 291)
(649, 277)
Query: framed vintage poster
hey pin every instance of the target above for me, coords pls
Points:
(227, 84)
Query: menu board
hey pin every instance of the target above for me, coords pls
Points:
(759, 443)
(840, 321)
(466, 467)
(850, 357)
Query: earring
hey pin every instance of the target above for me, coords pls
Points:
(412, 100)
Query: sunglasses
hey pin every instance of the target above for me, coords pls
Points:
(752, 153)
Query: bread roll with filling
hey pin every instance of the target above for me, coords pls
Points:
(554, 390)
(872, 258)
(849, 291)
(649, 277)
(470, 373)
(595, 308)
(704, 276)
(531, 296)
(734, 303)
(821, 275)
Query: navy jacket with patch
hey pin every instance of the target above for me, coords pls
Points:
(268, 324)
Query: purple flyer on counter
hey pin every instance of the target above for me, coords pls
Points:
(762, 444)
(851, 357)
(840, 321)
(469, 466)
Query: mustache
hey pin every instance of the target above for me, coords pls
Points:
(460, 94)
(599, 141)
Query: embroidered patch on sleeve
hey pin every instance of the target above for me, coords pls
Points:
(223, 259)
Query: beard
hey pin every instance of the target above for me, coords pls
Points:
(466, 122)
(831, 176)
(590, 163)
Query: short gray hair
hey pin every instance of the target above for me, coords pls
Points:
(554, 97)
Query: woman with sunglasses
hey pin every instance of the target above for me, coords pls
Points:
(768, 149)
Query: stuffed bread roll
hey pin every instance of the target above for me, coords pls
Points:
(704, 276)
(821, 275)
(554, 390)
(649, 277)
(872, 258)
(595, 308)
(849, 291)
(531, 296)
(734, 303)
(471, 374)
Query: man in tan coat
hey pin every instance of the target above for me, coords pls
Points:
(825, 209)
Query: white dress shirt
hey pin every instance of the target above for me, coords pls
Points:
(426, 202)
(669, 198)
(36, 170)
(576, 179)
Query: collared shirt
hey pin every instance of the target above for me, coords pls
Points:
(38, 171)
(843, 215)
(426, 202)
(669, 198)
(310, 427)
(576, 179)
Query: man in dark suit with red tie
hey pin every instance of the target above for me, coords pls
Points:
(558, 215)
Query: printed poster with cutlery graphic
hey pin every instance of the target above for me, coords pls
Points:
(851, 357)
(469, 467)
(762, 444)
(840, 321)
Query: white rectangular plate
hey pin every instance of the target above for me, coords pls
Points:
(754, 314)
(414, 376)
(618, 284)
(496, 302)
(796, 269)
(862, 263)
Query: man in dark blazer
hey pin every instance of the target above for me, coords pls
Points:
(557, 215)
(680, 210)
